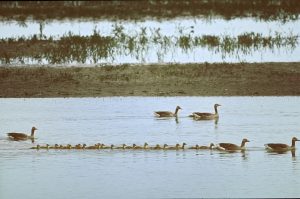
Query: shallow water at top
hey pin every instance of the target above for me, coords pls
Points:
(234, 27)
(148, 174)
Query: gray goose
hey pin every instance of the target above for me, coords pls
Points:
(167, 113)
(22, 136)
(232, 147)
(206, 116)
(282, 147)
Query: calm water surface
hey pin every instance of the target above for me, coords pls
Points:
(26, 173)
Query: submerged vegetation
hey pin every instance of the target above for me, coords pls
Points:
(283, 10)
(138, 46)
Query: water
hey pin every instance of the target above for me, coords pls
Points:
(157, 52)
(148, 174)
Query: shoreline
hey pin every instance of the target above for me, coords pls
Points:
(214, 79)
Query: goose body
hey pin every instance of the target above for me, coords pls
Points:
(176, 147)
(140, 147)
(194, 147)
(108, 147)
(206, 116)
(121, 147)
(56, 146)
(45, 147)
(167, 113)
(280, 146)
(232, 147)
(79, 146)
(37, 147)
(156, 147)
(96, 146)
(207, 147)
(22, 136)
(69, 146)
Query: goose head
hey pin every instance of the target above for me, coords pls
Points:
(217, 105)
(245, 140)
(295, 139)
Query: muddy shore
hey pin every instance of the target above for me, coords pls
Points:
(224, 79)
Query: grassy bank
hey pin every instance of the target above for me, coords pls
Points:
(242, 79)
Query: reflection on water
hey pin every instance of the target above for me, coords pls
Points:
(152, 173)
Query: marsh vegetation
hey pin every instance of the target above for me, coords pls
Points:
(138, 46)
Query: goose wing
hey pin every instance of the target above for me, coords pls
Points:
(163, 113)
(17, 135)
(228, 146)
(277, 146)
(202, 114)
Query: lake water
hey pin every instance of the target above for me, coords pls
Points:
(158, 53)
(27, 173)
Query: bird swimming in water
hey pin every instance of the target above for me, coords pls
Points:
(281, 147)
(232, 147)
(167, 113)
(206, 116)
(22, 136)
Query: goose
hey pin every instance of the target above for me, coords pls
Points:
(194, 147)
(183, 145)
(69, 146)
(79, 146)
(121, 147)
(176, 147)
(108, 147)
(22, 136)
(232, 147)
(96, 146)
(156, 147)
(45, 147)
(206, 116)
(207, 147)
(167, 113)
(37, 147)
(56, 146)
(282, 147)
(140, 147)
(130, 147)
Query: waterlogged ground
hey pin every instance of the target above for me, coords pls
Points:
(180, 40)
(148, 174)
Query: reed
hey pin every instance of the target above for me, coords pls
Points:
(98, 48)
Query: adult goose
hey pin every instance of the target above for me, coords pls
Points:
(232, 147)
(281, 147)
(206, 116)
(22, 136)
(167, 113)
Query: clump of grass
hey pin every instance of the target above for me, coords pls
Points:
(97, 48)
